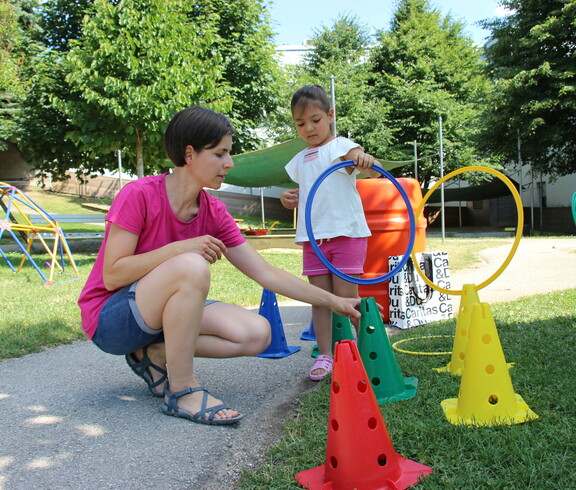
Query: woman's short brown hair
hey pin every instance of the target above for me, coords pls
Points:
(196, 126)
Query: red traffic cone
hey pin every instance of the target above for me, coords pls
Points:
(359, 453)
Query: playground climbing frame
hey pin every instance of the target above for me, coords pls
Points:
(16, 207)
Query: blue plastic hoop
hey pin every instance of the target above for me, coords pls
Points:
(316, 248)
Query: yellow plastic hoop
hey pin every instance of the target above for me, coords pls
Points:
(396, 348)
(519, 209)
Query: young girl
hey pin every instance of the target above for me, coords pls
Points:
(146, 297)
(337, 215)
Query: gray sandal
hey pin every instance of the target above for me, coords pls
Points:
(142, 369)
(204, 415)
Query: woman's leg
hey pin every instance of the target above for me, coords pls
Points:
(172, 297)
(232, 331)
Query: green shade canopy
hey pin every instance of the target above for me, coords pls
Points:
(265, 168)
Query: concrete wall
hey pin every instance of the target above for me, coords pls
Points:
(102, 186)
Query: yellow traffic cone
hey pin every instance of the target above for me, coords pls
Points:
(486, 396)
(468, 300)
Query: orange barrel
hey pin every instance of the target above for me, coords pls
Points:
(388, 220)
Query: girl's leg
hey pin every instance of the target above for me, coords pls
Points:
(322, 318)
(347, 290)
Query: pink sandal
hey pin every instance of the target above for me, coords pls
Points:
(322, 362)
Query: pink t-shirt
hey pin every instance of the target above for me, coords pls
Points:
(142, 208)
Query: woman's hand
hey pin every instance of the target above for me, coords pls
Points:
(122, 266)
(346, 307)
(289, 198)
(207, 246)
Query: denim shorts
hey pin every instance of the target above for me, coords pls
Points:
(121, 329)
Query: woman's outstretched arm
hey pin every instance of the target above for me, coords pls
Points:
(248, 261)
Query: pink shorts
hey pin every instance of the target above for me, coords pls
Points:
(345, 253)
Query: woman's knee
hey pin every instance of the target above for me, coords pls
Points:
(260, 336)
(188, 270)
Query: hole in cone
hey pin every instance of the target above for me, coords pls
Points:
(370, 329)
(493, 399)
(333, 462)
(461, 356)
(334, 425)
(362, 386)
(490, 369)
(335, 387)
(486, 339)
(375, 381)
(382, 459)
(463, 332)
(373, 355)
(372, 423)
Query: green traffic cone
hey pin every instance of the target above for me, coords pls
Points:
(341, 330)
(379, 359)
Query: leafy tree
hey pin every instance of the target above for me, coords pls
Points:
(346, 41)
(10, 64)
(223, 53)
(42, 127)
(340, 51)
(18, 26)
(532, 59)
(10, 68)
(137, 64)
(426, 68)
(250, 68)
(62, 22)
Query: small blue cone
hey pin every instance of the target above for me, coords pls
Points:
(308, 333)
(269, 309)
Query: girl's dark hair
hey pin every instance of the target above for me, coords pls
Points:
(196, 126)
(309, 94)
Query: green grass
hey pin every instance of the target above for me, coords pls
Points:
(55, 203)
(35, 316)
(538, 335)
